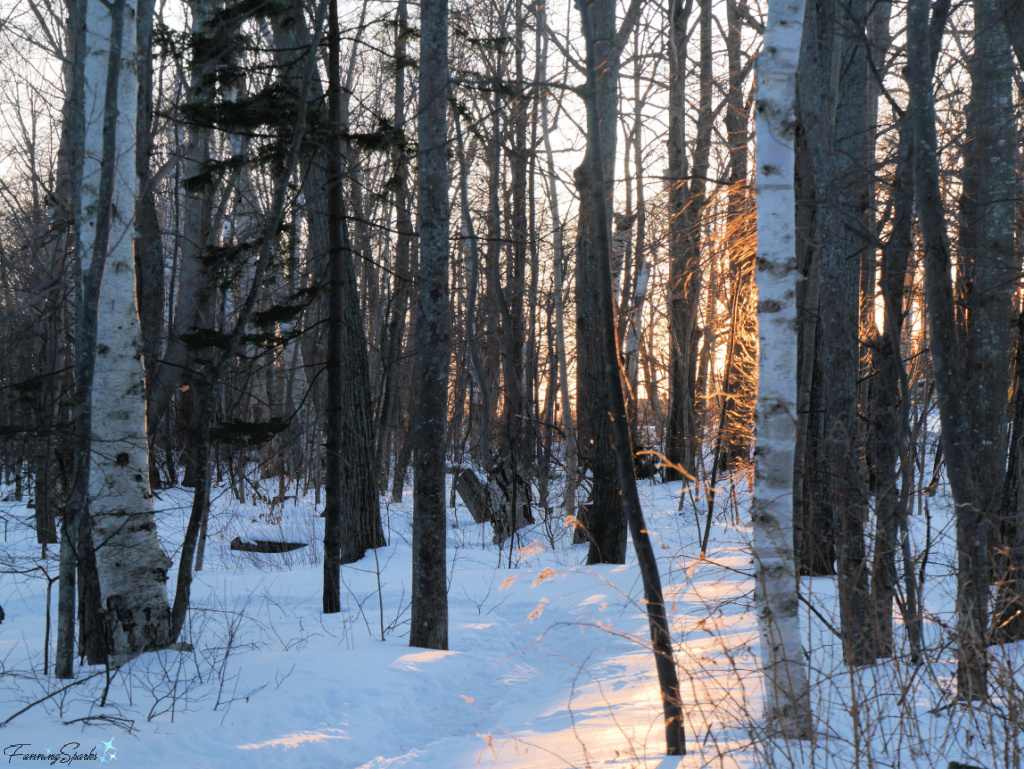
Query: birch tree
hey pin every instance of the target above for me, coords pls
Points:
(131, 563)
(788, 707)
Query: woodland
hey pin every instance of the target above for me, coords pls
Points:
(571, 274)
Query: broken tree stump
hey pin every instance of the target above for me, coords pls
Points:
(492, 501)
(581, 529)
(475, 496)
(511, 490)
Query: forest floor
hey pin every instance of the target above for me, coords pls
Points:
(548, 664)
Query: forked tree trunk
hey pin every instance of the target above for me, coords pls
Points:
(892, 401)
(606, 524)
(788, 706)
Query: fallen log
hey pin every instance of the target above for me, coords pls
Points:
(265, 546)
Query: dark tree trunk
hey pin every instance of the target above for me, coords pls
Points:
(149, 266)
(335, 312)
(813, 535)
(892, 408)
(429, 624)
(1008, 613)
(841, 175)
(682, 439)
(661, 640)
(740, 385)
(605, 523)
(971, 524)
(394, 367)
(990, 191)
(361, 522)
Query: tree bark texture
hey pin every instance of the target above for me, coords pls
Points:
(661, 640)
(429, 624)
(362, 529)
(788, 707)
(833, 105)
(131, 564)
(971, 523)
(606, 525)
(682, 439)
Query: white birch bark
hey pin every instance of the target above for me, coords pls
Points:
(787, 697)
(131, 563)
(631, 354)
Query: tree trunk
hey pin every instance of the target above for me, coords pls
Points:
(335, 317)
(1008, 612)
(197, 214)
(661, 640)
(429, 624)
(558, 257)
(606, 524)
(394, 366)
(788, 705)
(682, 442)
(361, 523)
(131, 564)
(841, 174)
(971, 524)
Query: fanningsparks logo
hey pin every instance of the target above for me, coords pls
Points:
(104, 752)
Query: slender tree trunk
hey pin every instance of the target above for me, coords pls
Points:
(429, 626)
(661, 640)
(971, 524)
(835, 130)
(149, 266)
(472, 343)
(558, 256)
(335, 312)
(394, 367)
(682, 437)
(740, 386)
(788, 706)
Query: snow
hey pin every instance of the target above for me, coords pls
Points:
(549, 664)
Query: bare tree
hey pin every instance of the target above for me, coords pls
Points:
(661, 639)
(429, 584)
(131, 564)
(788, 707)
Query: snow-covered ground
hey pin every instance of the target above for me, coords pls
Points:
(549, 665)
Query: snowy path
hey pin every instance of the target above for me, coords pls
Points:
(548, 665)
